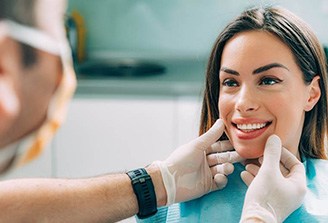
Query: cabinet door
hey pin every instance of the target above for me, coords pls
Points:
(114, 135)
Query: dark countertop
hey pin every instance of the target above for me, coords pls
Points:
(182, 77)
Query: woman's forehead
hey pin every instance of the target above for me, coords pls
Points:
(255, 47)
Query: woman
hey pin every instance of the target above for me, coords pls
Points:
(263, 30)
(266, 75)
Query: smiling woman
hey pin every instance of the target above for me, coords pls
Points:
(267, 96)
(266, 75)
(268, 58)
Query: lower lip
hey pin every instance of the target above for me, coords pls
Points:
(250, 135)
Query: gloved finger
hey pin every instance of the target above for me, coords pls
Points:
(283, 169)
(229, 157)
(220, 146)
(272, 152)
(220, 181)
(295, 167)
(225, 157)
(225, 169)
(247, 177)
(212, 159)
(252, 168)
(211, 136)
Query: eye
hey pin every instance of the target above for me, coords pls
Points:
(269, 81)
(230, 83)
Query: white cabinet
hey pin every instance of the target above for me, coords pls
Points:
(114, 134)
(103, 135)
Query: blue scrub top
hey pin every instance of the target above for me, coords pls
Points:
(226, 205)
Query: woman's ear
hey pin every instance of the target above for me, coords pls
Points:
(314, 94)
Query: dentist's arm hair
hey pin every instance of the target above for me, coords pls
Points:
(108, 198)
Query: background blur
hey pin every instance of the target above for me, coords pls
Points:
(183, 28)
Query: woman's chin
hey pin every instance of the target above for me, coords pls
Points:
(249, 153)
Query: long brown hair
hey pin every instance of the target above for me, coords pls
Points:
(308, 54)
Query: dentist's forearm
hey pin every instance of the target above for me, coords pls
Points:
(103, 199)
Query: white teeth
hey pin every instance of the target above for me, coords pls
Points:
(251, 126)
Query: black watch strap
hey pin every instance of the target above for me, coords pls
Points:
(144, 189)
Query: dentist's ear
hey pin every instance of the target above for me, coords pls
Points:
(314, 94)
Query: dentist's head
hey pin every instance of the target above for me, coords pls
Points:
(36, 77)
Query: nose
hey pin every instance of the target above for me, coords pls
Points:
(247, 100)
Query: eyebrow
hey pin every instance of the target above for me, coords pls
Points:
(257, 70)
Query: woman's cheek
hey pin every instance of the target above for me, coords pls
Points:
(223, 106)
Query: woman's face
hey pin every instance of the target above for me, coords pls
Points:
(262, 92)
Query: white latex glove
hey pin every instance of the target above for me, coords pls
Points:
(271, 197)
(221, 162)
(186, 173)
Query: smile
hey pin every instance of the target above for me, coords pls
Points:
(251, 127)
(247, 131)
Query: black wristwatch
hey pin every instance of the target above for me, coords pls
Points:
(144, 189)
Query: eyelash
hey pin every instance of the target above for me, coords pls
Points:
(271, 79)
(230, 82)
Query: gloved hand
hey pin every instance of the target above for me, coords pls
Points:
(186, 172)
(271, 197)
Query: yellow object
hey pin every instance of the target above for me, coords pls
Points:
(81, 35)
